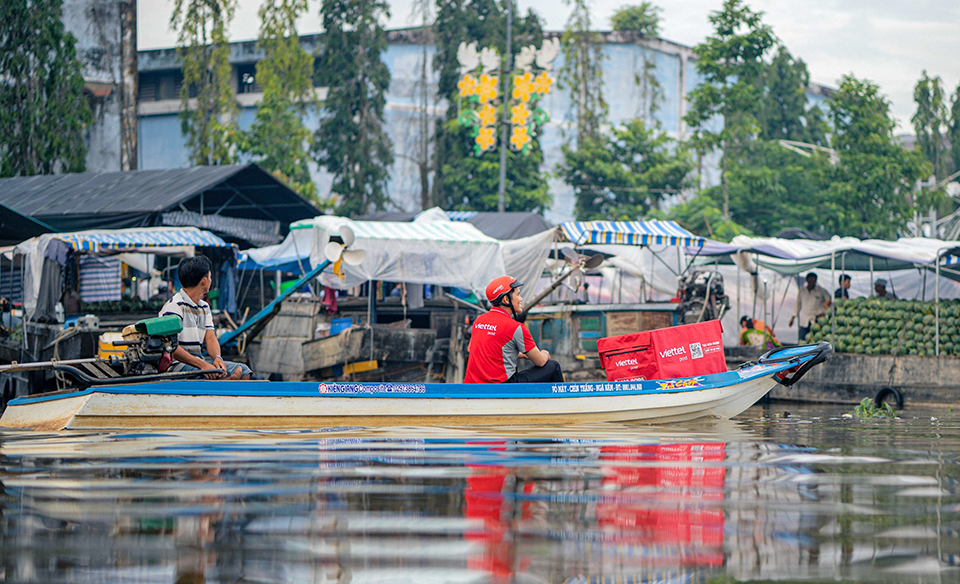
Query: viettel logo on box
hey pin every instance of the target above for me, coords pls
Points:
(675, 351)
(627, 362)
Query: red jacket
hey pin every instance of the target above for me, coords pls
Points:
(496, 342)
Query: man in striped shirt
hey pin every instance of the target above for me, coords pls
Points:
(198, 331)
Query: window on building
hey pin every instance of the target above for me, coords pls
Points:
(161, 85)
(247, 79)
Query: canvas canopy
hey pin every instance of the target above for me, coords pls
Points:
(57, 246)
(443, 253)
(430, 250)
(793, 256)
(292, 255)
(629, 233)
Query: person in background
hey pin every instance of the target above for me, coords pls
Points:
(198, 330)
(880, 287)
(843, 292)
(756, 333)
(812, 301)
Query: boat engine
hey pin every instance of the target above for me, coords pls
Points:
(701, 296)
(150, 345)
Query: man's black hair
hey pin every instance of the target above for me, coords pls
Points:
(811, 275)
(844, 278)
(192, 270)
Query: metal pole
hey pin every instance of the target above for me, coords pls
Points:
(871, 276)
(505, 72)
(739, 269)
(833, 305)
(936, 307)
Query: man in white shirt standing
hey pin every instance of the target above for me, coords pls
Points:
(812, 301)
(189, 305)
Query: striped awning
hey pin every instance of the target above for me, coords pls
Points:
(629, 233)
(142, 238)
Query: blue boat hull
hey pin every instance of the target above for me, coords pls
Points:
(262, 404)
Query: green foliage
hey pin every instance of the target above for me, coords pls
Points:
(461, 180)
(622, 174)
(208, 111)
(477, 178)
(930, 121)
(954, 129)
(582, 72)
(351, 142)
(867, 409)
(784, 114)
(278, 137)
(868, 194)
(43, 111)
(731, 63)
(641, 20)
(772, 188)
(702, 216)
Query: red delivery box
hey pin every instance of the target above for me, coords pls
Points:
(679, 351)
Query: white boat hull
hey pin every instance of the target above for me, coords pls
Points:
(195, 404)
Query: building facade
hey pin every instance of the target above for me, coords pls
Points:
(645, 78)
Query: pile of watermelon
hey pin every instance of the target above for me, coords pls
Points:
(872, 326)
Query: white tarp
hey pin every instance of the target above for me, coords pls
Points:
(290, 255)
(430, 252)
(793, 256)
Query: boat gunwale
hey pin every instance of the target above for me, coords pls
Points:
(320, 389)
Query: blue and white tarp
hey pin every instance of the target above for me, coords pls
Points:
(629, 233)
(104, 242)
(292, 255)
(99, 278)
(126, 240)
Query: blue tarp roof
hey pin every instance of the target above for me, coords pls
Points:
(130, 239)
(629, 233)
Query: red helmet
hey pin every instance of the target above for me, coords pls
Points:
(500, 287)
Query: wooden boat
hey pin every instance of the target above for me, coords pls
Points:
(196, 404)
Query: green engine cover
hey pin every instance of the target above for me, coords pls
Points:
(162, 326)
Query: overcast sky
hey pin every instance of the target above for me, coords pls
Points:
(886, 41)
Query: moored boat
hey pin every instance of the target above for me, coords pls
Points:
(198, 404)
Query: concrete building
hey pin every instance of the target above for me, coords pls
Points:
(671, 68)
(106, 32)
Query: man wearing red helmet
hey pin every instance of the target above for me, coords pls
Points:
(498, 341)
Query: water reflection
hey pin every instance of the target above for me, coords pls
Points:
(811, 497)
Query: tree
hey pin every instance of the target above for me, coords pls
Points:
(43, 110)
(351, 142)
(278, 136)
(954, 130)
(703, 217)
(784, 114)
(642, 20)
(462, 180)
(769, 187)
(625, 173)
(869, 193)
(582, 72)
(930, 121)
(476, 179)
(208, 111)
(731, 64)
(772, 188)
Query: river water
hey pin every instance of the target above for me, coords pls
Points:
(799, 496)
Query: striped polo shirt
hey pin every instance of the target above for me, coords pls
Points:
(197, 320)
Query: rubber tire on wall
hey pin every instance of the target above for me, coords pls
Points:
(886, 392)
